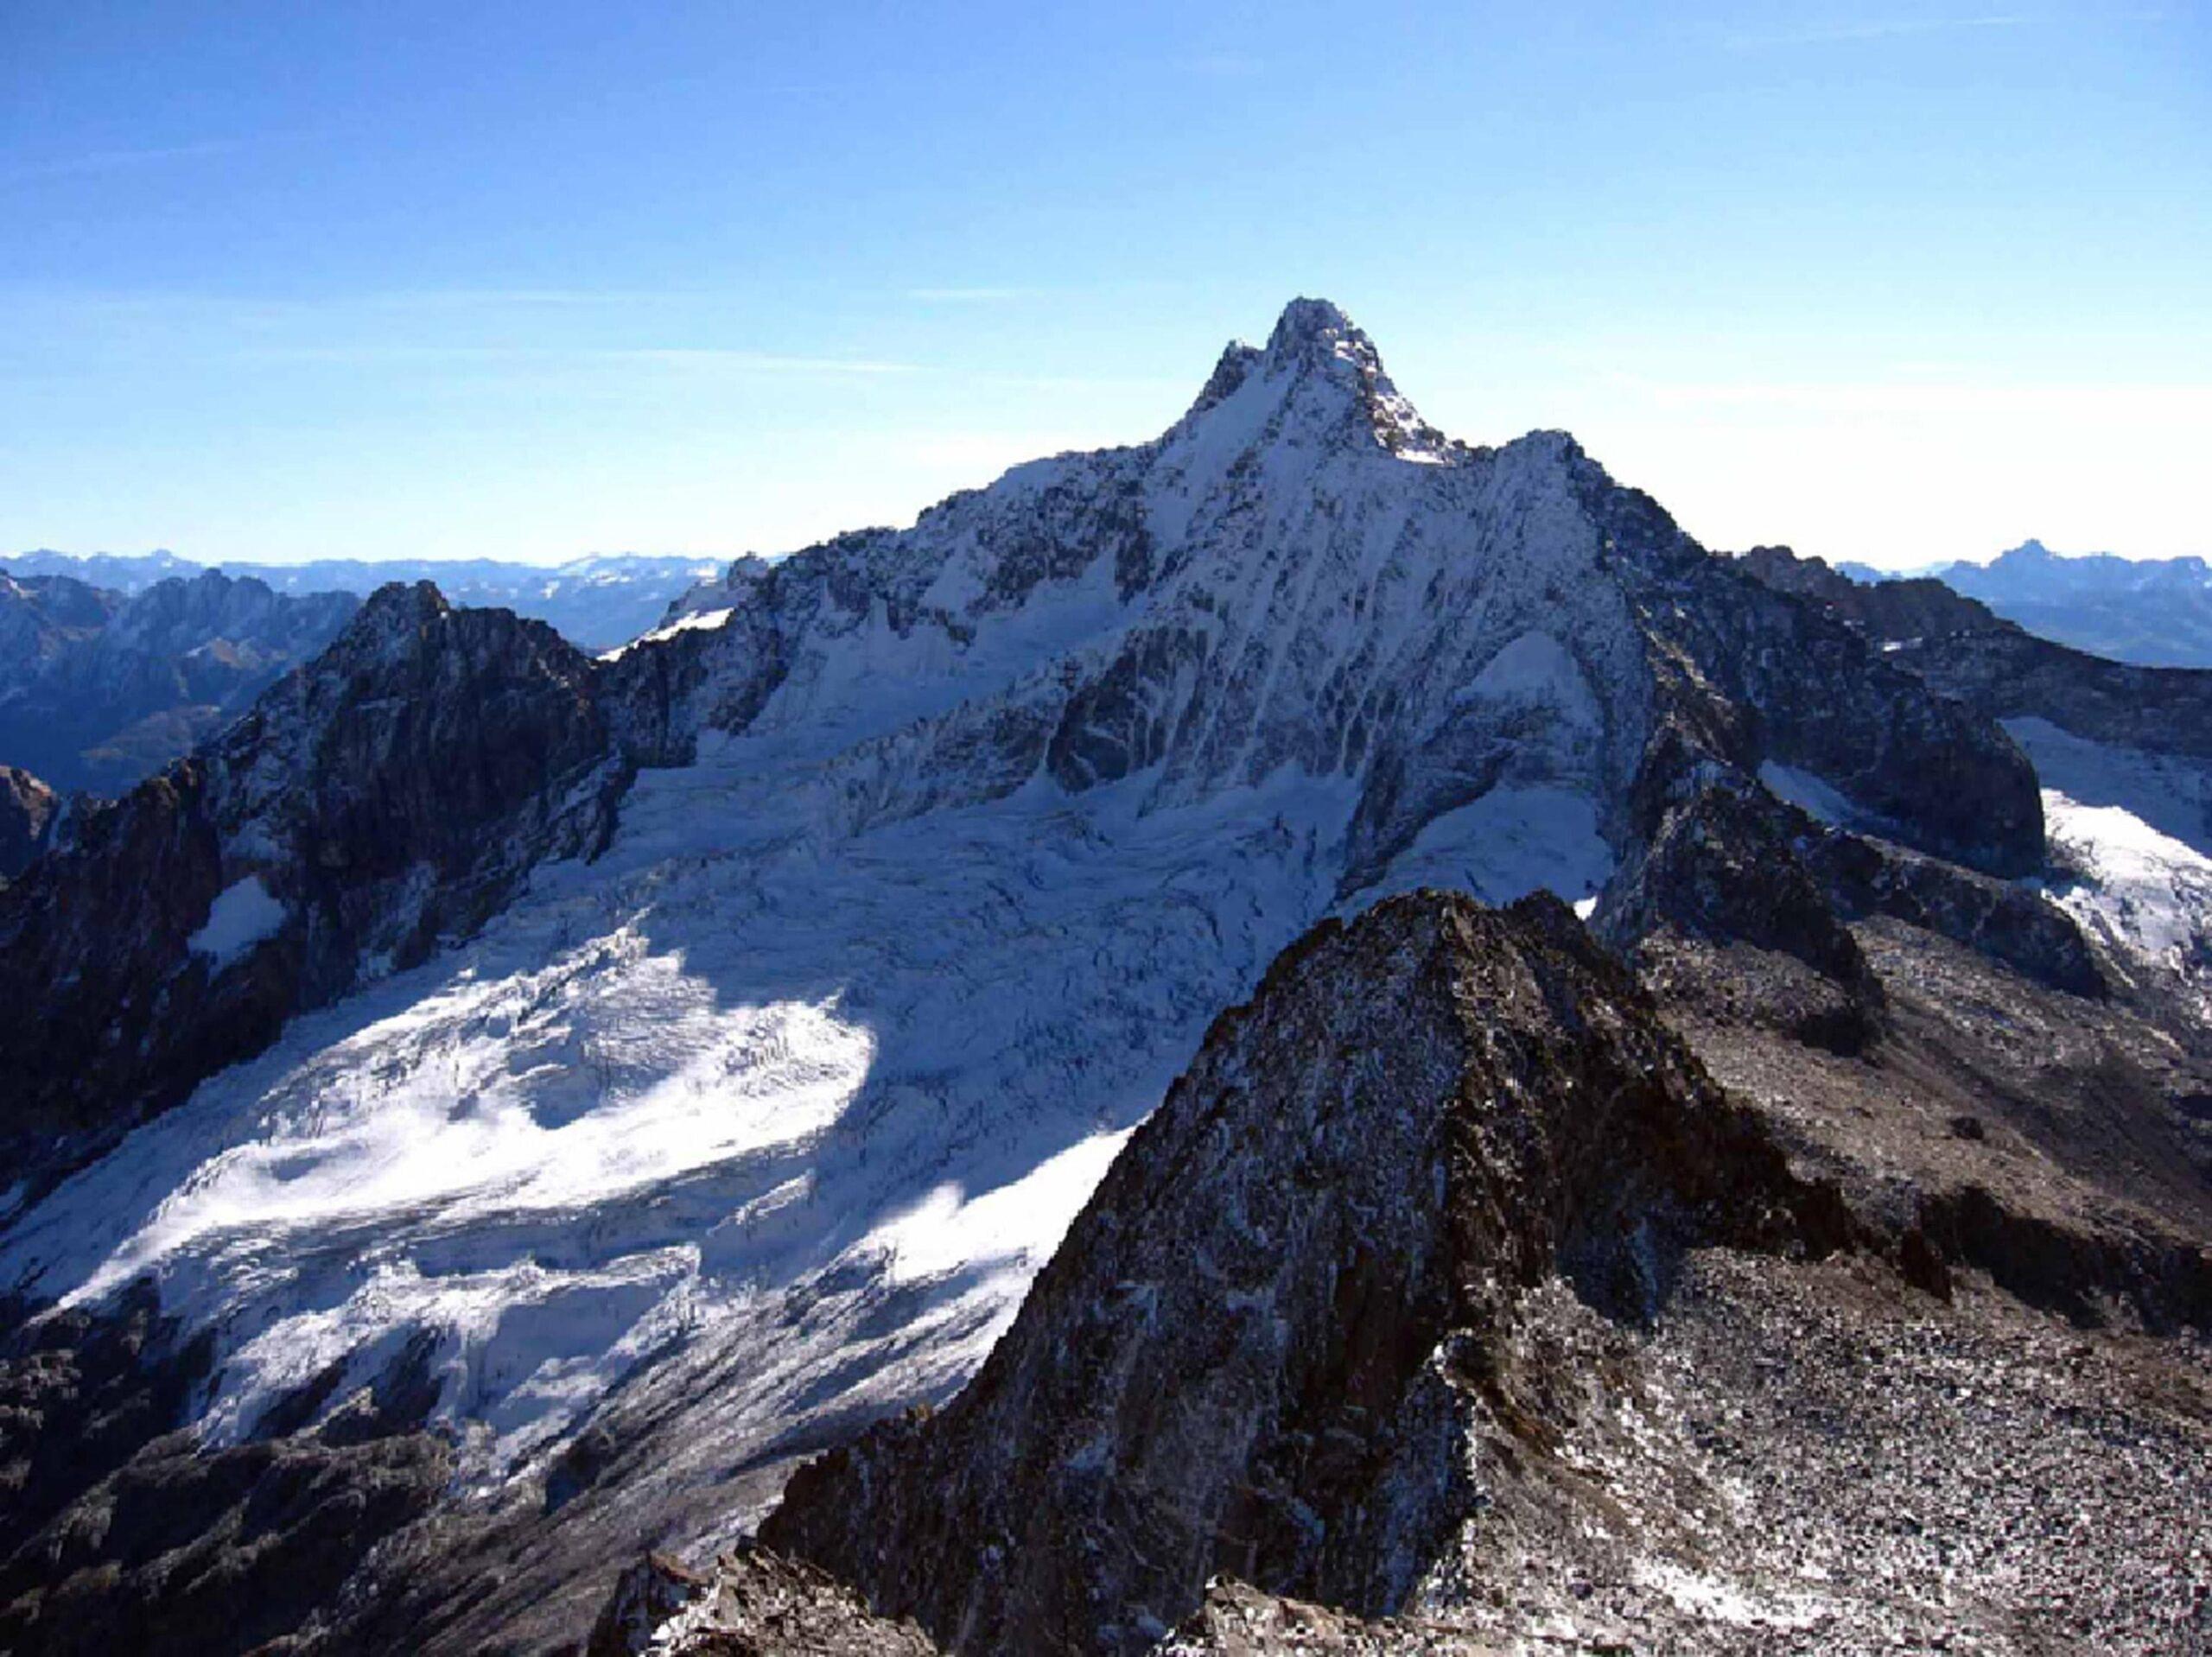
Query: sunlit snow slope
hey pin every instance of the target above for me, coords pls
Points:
(2134, 827)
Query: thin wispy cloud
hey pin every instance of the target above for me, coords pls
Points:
(1220, 65)
(673, 357)
(97, 162)
(967, 296)
(1844, 32)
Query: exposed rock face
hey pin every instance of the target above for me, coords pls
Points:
(755, 1603)
(1238, 1621)
(1727, 865)
(189, 1552)
(98, 688)
(1890, 612)
(1253, 1352)
(1818, 697)
(27, 808)
(117, 1534)
(81, 1394)
(392, 794)
(2002, 671)
(2124, 755)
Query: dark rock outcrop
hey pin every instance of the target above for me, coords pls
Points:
(28, 811)
(81, 1392)
(1728, 866)
(754, 1603)
(2008, 923)
(1823, 697)
(1888, 611)
(1999, 669)
(120, 1532)
(1256, 1350)
(186, 1551)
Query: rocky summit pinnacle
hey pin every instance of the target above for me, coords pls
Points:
(1321, 373)
(1316, 330)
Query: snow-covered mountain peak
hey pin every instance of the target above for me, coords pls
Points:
(1313, 329)
(1318, 384)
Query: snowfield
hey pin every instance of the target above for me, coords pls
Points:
(241, 917)
(2134, 828)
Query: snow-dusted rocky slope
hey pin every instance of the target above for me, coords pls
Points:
(935, 853)
(2123, 753)
(1434, 1289)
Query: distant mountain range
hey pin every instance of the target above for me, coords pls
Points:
(2157, 612)
(111, 666)
(100, 688)
(594, 603)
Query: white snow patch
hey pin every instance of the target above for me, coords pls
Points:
(676, 1087)
(1509, 843)
(1717, 1600)
(242, 915)
(1022, 1220)
(694, 621)
(2170, 792)
(2143, 893)
(1536, 668)
(1812, 795)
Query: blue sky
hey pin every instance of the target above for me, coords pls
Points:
(1886, 281)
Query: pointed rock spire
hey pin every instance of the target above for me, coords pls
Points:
(1316, 348)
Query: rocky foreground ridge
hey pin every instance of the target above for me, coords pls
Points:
(1448, 1303)
(497, 1108)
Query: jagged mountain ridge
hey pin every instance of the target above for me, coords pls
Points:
(922, 861)
(2124, 753)
(391, 793)
(29, 810)
(98, 689)
(1249, 1356)
(596, 602)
